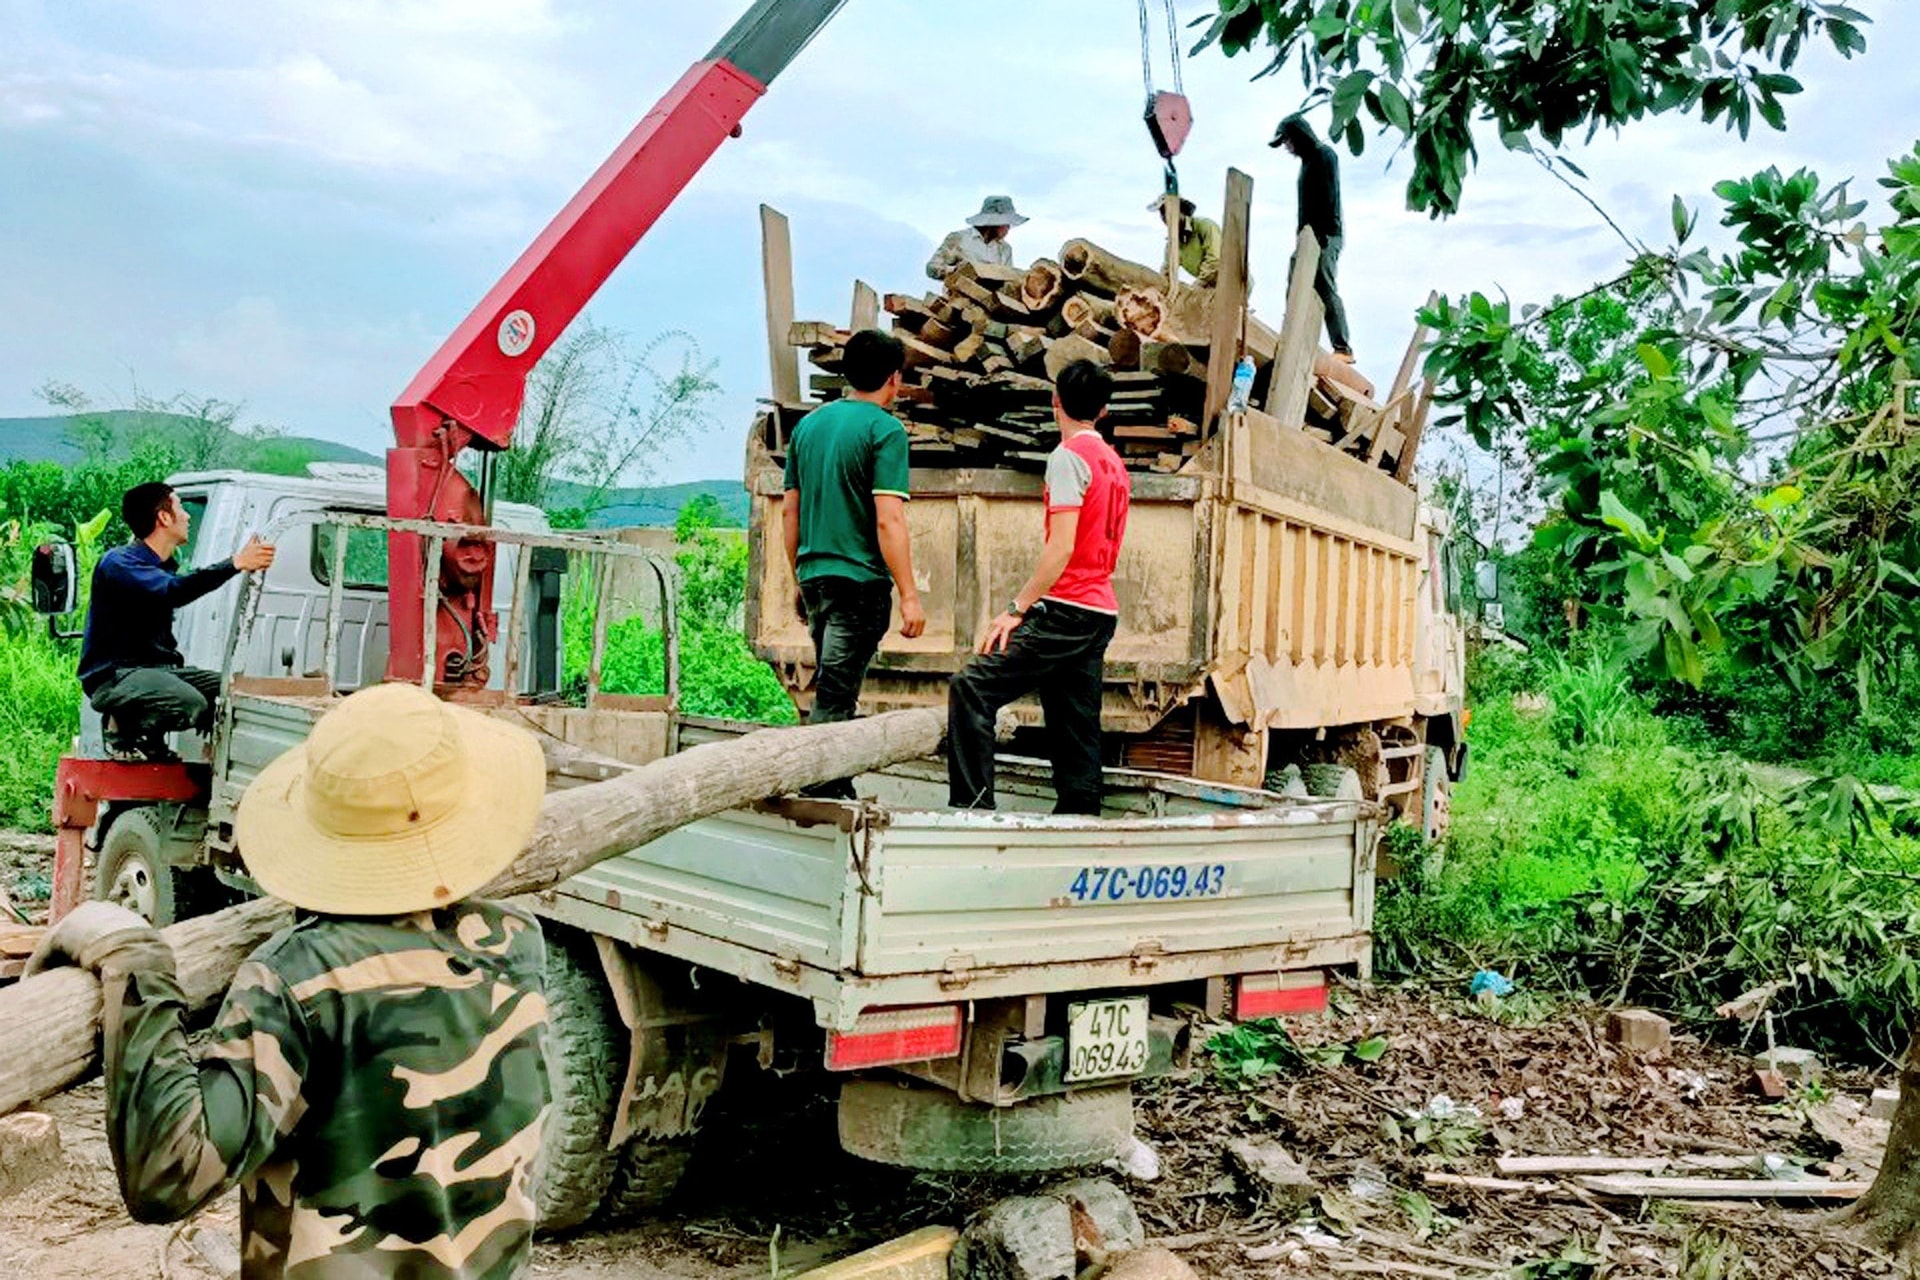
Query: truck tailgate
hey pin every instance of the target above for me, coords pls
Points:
(977, 890)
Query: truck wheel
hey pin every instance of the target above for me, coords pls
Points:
(133, 871)
(931, 1129)
(648, 1172)
(583, 1047)
(1436, 805)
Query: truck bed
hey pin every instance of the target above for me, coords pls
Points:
(897, 900)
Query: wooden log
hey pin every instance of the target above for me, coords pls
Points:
(921, 354)
(969, 348)
(1088, 309)
(1416, 425)
(1144, 311)
(815, 333)
(1092, 267)
(1171, 359)
(51, 1022)
(989, 274)
(1040, 291)
(1123, 348)
(972, 290)
(941, 333)
(909, 311)
(1026, 345)
(1064, 351)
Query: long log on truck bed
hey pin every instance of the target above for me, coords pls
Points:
(50, 1024)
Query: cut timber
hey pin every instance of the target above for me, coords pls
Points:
(1142, 310)
(1228, 304)
(1416, 423)
(920, 1255)
(1171, 359)
(1123, 348)
(1065, 351)
(1472, 1183)
(972, 290)
(1092, 267)
(1026, 345)
(921, 353)
(941, 333)
(1330, 368)
(815, 333)
(1624, 1184)
(53, 1020)
(989, 274)
(908, 311)
(866, 307)
(1041, 288)
(1088, 309)
(776, 275)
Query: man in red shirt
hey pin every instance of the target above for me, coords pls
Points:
(1054, 635)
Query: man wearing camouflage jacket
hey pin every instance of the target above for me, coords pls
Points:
(375, 1084)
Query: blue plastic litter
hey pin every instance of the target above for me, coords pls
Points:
(1489, 983)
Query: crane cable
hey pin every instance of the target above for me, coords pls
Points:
(1173, 48)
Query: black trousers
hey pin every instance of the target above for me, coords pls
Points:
(1326, 284)
(145, 702)
(848, 620)
(1059, 650)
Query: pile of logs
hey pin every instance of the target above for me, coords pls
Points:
(983, 351)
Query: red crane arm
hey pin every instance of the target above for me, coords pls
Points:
(470, 392)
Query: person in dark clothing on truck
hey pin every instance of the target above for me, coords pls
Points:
(130, 665)
(1320, 211)
(845, 518)
(1054, 634)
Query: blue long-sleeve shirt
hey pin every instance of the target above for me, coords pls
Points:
(130, 618)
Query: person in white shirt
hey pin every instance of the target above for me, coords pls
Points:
(983, 239)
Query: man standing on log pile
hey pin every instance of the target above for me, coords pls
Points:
(1054, 635)
(845, 518)
(982, 240)
(130, 664)
(1199, 242)
(1320, 211)
(375, 1083)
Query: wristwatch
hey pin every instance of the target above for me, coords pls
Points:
(1013, 607)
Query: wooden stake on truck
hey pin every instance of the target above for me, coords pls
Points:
(52, 1021)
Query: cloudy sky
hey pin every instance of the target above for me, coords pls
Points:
(291, 204)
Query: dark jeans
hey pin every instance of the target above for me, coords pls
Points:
(1325, 285)
(145, 702)
(1059, 650)
(848, 620)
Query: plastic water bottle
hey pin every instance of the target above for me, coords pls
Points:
(1242, 386)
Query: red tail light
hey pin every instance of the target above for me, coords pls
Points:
(885, 1037)
(1269, 995)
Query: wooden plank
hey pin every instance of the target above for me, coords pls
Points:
(776, 275)
(923, 353)
(909, 310)
(1472, 1183)
(815, 333)
(1517, 1166)
(866, 307)
(1404, 377)
(972, 290)
(994, 277)
(1633, 1185)
(1299, 337)
(1416, 424)
(1229, 302)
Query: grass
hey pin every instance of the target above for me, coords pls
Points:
(1600, 848)
(39, 716)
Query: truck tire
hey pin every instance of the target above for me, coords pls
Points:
(133, 871)
(647, 1173)
(1436, 797)
(584, 1043)
(919, 1127)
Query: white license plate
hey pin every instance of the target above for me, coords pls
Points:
(1106, 1038)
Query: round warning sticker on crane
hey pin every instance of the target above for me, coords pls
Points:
(516, 333)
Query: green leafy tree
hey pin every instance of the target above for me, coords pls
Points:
(1437, 75)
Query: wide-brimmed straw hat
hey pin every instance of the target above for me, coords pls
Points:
(397, 802)
(996, 211)
(1187, 206)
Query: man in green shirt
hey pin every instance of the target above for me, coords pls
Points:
(374, 1082)
(845, 514)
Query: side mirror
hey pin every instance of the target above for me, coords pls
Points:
(56, 579)
(1486, 580)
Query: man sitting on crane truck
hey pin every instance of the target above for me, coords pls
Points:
(375, 1082)
(1054, 634)
(130, 664)
(845, 517)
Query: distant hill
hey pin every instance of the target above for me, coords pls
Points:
(48, 439)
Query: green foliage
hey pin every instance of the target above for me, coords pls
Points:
(1248, 1052)
(1431, 74)
(719, 674)
(1591, 703)
(1652, 870)
(39, 715)
(1637, 408)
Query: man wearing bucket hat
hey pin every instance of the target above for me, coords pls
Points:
(375, 1084)
(983, 239)
(1199, 241)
